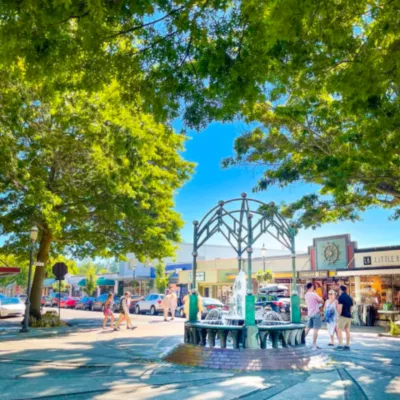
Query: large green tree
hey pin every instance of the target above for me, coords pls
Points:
(321, 77)
(97, 176)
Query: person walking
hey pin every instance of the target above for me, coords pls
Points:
(314, 303)
(124, 312)
(331, 315)
(107, 311)
(173, 302)
(166, 304)
(344, 321)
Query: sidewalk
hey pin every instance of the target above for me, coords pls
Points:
(107, 365)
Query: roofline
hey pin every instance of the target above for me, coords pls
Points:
(381, 248)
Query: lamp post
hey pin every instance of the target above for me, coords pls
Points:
(33, 237)
(263, 254)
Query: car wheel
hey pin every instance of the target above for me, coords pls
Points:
(182, 313)
(137, 310)
(152, 310)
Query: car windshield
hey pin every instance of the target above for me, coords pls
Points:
(11, 300)
(207, 301)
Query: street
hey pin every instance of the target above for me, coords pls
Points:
(81, 318)
(92, 363)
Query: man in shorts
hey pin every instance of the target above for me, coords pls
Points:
(345, 317)
(313, 302)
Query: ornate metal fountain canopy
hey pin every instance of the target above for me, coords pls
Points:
(230, 218)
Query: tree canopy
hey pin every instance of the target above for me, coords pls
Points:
(96, 175)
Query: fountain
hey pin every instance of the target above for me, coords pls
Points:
(244, 338)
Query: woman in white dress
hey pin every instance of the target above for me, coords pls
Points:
(331, 315)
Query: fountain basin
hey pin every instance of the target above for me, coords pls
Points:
(277, 333)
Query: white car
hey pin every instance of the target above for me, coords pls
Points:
(11, 307)
(151, 303)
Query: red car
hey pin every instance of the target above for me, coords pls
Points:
(69, 302)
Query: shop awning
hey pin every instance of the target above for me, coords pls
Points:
(369, 272)
(48, 282)
(105, 282)
(100, 282)
(7, 271)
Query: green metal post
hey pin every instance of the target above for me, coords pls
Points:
(295, 300)
(193, 304)
(250, 316)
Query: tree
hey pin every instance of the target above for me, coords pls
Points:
(60, 286)
(91, 280)
(161, 278)
(96, 175)
(98, 268)
(323, 81)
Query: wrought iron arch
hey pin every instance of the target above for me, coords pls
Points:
(242, 226)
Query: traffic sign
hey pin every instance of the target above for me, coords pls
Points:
(60, 269)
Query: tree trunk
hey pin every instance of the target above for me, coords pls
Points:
(40, 272)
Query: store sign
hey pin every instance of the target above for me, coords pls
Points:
(200, 276)
(377, 259)
(331, 253)
(282, 280)
(313, 274)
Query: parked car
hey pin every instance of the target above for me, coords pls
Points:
(2, 296)
(134, 300)
(69, 302)
(85, 303)
(208, 304)
(59, 299)
(116, 307)
(98, 303)
(48, 302)
(11, 307)
(273, 302)
(22, 298)
(151, 303)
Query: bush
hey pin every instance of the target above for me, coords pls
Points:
(394, 329)
(50, 319)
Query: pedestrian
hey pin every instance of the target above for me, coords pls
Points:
(124, 312)
(344, 321)
(314, 303)
(166, 304)
(107, 311)
(173, 302)
(331, 315)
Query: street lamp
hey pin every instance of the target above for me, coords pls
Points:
(264, 254)
(33, 237)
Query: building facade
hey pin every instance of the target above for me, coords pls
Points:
(372, 275)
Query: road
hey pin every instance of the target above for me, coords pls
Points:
(82, 319)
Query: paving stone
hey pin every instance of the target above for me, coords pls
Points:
(327, 385)
(37, 388)
(179, 378)
(375, 384)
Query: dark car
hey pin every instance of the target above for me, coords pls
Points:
(273, 302)
(98, 303)
(208, 304)
(85, 303)
(134, 300)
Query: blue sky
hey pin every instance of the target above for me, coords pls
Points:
(211, 183)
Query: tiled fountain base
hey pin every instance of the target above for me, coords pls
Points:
(301, 357)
